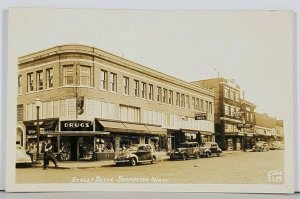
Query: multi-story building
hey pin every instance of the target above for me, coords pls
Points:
(265, 127)
(248, 109)
(93, 101)
(227, 112)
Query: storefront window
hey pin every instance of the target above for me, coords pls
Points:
(104, 144)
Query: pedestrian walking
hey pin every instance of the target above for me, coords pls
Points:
(50, 156)
(45, 151)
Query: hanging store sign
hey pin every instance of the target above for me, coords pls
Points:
(77, 125)
(200, 116)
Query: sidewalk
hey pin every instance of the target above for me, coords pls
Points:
(161, 156)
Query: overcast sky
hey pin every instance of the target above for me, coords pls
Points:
(254, 48)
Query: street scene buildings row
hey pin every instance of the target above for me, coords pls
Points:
(93, 103)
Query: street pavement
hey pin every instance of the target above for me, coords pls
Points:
(233, 167)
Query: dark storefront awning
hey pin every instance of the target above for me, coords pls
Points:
(46, 124)
(118, 126)
(189, 131)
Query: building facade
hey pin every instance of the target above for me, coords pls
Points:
(227, 104)
(265, 127)
(279, 131)
(248, 109)
(94, 102)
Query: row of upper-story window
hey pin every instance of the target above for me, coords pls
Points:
(43, 80)
(231, 94)
(108, 81)
(230, 110)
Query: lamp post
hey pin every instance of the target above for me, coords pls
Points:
(38, 104)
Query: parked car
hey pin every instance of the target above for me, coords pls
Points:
(21, 155)
(261, 146)
(276, 145)
(186, 150)
(135, 154)
(210, 148)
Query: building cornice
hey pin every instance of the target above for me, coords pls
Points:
(100, 54)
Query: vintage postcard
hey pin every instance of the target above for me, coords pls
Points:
(150, 100)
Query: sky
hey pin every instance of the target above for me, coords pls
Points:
(255, 48)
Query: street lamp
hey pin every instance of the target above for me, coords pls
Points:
(38, 104)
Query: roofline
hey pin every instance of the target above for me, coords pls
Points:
(75, 48)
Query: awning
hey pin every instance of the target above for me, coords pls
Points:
(113, 126)
(189, 131)
(46, 124)
(119, 126)
(156, 130)
(136, 128)
(206, 133)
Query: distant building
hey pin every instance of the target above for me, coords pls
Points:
(228, 113)
(94, 102)
(265, 127)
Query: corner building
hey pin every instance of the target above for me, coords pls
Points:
(94, 103)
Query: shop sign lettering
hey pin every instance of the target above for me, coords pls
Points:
(76, 126)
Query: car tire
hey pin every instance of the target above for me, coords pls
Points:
(207, 154)
(184, 157)
(133, 162)
(153, 160)
(219, 154)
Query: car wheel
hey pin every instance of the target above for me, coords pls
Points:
(219, 154)
(207, 154)
(184, 157)
(153, 160)
(197, 156)
(133, 162)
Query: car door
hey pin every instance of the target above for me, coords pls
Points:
(141, 153)
(148, 153)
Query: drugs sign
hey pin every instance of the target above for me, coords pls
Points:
(200, 116)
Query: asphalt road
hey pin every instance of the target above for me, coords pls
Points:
(231, 168)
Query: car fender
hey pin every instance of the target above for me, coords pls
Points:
(134, 156)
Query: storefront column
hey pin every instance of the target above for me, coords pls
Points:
(117, 143)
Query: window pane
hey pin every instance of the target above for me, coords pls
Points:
(68, 75)
(85, 75)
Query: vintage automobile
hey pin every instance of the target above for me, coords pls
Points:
(210, 148)
(21, 155)
(261, 146)
(276, 145)
(135, 154)
(186, 150)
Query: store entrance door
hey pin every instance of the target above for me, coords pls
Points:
(74, 148)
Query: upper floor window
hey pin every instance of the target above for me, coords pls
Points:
(201, 105)
(232, 111)
(113, 82)
(85, 75)
(164, 97)
(237, 96)
(231, 95)
(210, 109)
(226, 111)
(136, 88)
(19, 84)
(193, 103)
(20, 112)
(206, 106)
(126, 85)
(159, 94)
(150, 92)
(68, 75)
(197, 107)
(177, 99)
(49, 78)
(39, 80)
(182, 104)
(103, 79)
(170, 97)
(226, 92)
(29, 82)
(187, 101)
(144, 90)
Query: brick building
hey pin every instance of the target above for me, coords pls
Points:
(94, 101)
(248, 109)
(227, 103)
